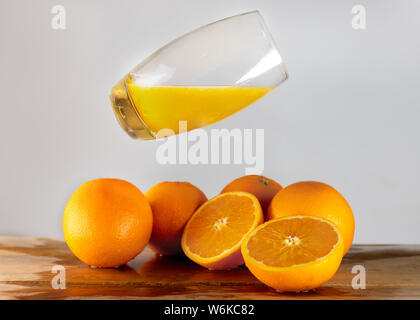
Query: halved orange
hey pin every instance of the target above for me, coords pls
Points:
(214, 234)
(295, 253)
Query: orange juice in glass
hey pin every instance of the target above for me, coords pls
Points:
(201, 78)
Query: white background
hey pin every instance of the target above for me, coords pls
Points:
(347, 116)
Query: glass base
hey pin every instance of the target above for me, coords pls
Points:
(127, 115)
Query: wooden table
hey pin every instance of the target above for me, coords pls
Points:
(392, 272)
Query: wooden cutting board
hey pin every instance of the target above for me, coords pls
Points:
(26, 272)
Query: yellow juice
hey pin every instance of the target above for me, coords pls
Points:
(163, 107)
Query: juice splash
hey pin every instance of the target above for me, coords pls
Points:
(163, 107)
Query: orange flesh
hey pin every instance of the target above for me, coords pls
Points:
(290, 242)
(220, 225)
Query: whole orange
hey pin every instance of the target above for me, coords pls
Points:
(173, 203)
(107, 222)
(261, 187)
(316, 199)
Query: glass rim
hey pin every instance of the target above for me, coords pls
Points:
(270, 38)
(263, 26)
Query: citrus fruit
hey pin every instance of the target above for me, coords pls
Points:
(316, 199)
(261, 187)
(295, 253)
(107, 222)
(172, 203)
(214, 234)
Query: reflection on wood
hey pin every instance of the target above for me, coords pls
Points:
(392, 272)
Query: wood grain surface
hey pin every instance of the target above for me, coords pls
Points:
(392, 272)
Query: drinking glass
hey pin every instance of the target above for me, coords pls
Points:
(200, 78)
